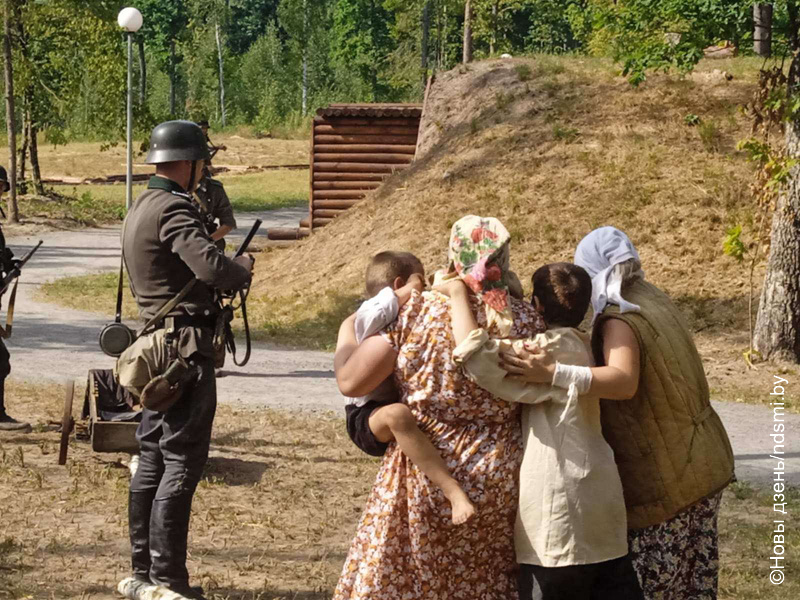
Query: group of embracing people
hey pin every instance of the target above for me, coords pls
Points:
(521, 456)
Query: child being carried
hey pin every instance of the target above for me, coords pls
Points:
(375, 420)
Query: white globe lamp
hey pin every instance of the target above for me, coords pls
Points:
(130, 19)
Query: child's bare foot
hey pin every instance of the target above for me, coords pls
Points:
(463, 509)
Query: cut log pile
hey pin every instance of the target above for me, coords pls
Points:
(354, 147)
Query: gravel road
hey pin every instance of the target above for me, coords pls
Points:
(52, 343)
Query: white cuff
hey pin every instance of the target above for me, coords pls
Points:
(470, 345)
(567, 375)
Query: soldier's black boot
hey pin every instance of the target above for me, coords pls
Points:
(169, 533)
(140, 505)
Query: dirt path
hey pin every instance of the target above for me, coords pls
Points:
(51, 343)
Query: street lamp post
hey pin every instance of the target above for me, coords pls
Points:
(130, 19)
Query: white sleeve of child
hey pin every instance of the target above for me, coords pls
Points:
(376, 313)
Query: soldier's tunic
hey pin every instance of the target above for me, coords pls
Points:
(215, 206)
(165, 245)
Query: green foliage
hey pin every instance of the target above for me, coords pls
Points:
(668, 34)
(565, 134)
(732, 245)
(775, 164)
(691, 119)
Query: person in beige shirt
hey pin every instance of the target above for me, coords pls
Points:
(570, 533)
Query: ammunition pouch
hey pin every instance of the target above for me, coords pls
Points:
(152, 370)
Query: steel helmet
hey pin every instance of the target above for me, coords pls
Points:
(4, 179)
(177, 140)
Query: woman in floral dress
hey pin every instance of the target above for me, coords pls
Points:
(406, 546)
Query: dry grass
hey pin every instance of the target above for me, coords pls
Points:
(88, 159)
(273, 516)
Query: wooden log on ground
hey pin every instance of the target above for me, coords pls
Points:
(305, 222)
(346, 185)
(365, 148)
(287, 233)
(339, 204)
(363, 158)
(356, 130)
(325, 213)
(376, 177)
(339, 194)
(320, 222)
(348, 167)
(375, 138)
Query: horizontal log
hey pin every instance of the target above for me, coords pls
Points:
(384, 159)
(284, 233)
(305, 222)
(318, 222)
(324, 213)
(346, 185)
(376, 177)
(339, 195)
(348, 167)
(375, 138)
(366, 148)
(361, 130)
(368, 122)
(340, 204)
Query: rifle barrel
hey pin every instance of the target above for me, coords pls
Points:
(248, 238)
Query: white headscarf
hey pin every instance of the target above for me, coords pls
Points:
(598, 253)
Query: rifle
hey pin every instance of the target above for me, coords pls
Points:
(12, 275)
(230, 341)
(15, 272)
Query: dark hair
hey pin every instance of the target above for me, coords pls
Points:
(387, 266)
(564, 291)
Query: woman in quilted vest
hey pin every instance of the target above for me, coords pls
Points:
(671, 448)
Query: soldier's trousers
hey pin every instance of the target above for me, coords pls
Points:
(174, 449)
(5, 369)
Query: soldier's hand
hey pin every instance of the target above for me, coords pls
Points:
(246, 260)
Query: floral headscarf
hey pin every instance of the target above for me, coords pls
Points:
(479, 252)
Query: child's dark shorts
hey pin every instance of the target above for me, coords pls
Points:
(357, 418)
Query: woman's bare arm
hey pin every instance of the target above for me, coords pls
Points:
(618, 380)
(361, 368)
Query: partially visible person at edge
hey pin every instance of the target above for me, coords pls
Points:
(165, 246)
(672, 450)
(7, 263)
(215, 206)
(406, 545)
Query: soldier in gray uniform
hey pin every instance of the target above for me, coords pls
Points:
(7, 263)
(215, 206)
(165, 245)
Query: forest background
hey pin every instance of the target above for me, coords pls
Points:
(269, 64)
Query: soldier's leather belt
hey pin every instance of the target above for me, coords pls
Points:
(191, 321)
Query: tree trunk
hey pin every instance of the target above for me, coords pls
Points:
(13, 212)
(142, 72)
(426, 27)
(23, 151)
(172, 79)
(467, 54)
(36, 172)
(221, 76)
(493, 37)
(777, 331)
(762, 34)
